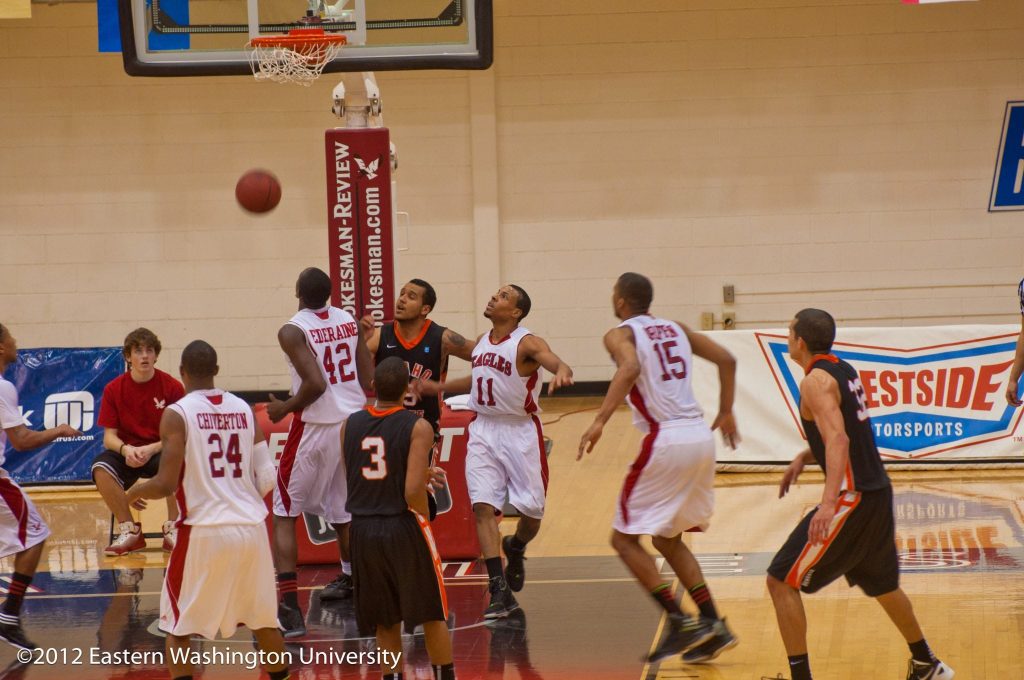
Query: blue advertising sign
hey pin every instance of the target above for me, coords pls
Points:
(1008, 183)
(57, 386)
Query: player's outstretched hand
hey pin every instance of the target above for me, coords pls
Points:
(436, 479)
(366, 325)
(134, 500)
(562, 378)
(275, 409)
(792, 472)
(1011, 394)
(67, 431)
(425, 388)
(727, 424)
(590, 438)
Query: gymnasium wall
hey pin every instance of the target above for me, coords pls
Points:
(829, 152)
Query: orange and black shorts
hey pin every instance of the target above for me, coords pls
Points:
(861, 545)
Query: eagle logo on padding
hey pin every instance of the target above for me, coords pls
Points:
(370, 171)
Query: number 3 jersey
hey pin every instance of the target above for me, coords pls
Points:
(864, 471)
(497, 388)
(332, 335)
(376, 453)
(218, 481)
(662, 391)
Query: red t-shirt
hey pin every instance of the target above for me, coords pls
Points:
(135, 408)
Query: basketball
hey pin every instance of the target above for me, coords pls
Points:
(258, 191)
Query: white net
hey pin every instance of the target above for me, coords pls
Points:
(300, 64)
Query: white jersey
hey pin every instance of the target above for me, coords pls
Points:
(332, 335)
(497, 388)
(663, 391)
(218, 481)
(10, 416)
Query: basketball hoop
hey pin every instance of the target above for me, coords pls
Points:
(298, 57)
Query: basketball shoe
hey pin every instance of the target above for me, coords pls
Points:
(683, 633)
(290, 620)
(936, 670)
(515, 570)
(170, 535)
(129, 539)
(12, 633)
(338, 589)
(722, 640)
(503, 602)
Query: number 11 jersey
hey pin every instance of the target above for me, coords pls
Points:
(663, 391)
(497, 388)
(332, 335)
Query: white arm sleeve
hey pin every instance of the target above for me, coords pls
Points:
(263, 467)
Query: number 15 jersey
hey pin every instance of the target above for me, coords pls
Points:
(662, 391)
(332, 335)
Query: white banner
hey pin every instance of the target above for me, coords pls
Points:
(935, 393)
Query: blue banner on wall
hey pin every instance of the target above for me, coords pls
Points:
(1008, 183)
(56, 386)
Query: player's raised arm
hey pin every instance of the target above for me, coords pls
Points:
(455, 345)
(708, 349)
(621, 346)
(536, 350)
(417, 468)
(819, 392)
(172, 434)
(370, 332)
(364, 364)
(293, 342)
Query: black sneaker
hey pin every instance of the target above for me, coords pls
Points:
(13, 634)
(291, 622)
(936, 670)
(683, 632)
(503, 602)
(338, 589)
(515, 570)
(722, 640)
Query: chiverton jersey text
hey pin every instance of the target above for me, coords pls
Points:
(222, 421)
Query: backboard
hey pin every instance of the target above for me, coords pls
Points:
(209, 37)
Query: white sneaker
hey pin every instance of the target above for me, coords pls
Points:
(170, 535)
(918, 670)
(129, 539)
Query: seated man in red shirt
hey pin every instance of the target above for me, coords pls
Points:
(130, 413)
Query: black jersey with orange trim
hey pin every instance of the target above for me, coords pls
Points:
(424, 355)
(376, 451)
(865, 471)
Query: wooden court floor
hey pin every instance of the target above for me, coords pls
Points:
(960, 534)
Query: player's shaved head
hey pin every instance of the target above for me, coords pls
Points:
(636, 290)
(313, 288)
(523, 303)
(390, 379)
(199, 359)
(817, 328)
(429, 294)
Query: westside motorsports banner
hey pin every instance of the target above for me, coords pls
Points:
(935, 394)
(61, 386)
(359, 222)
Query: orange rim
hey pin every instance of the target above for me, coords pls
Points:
(298, 39)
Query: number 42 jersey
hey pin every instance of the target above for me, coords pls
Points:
(332, 335)
(663, 391)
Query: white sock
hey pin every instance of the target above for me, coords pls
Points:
(346, 568)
